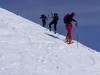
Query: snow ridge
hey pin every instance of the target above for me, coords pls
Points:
(26, 48)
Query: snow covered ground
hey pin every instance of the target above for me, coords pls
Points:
(26, 48)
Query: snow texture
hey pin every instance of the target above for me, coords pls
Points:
(26, 48)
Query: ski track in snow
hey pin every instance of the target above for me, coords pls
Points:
(26, 48)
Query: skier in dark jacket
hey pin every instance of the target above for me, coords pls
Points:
(43, 18)
(55, 18)
(67, 20)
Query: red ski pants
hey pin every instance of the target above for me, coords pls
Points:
(69, 31)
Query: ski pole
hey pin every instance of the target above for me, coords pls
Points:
(77, 35)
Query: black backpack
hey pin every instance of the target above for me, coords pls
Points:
(56, 16)
(65, 19)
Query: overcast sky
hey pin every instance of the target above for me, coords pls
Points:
(87, 15)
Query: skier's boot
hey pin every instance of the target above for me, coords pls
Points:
(67, 39)
(70, 41)
(55, 32)
(50, 29)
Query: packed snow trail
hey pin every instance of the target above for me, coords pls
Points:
(26, 48)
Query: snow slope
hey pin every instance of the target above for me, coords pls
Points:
(26, 48)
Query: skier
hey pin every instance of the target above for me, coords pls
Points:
(67, 20)
(43, 18)
(55, 18)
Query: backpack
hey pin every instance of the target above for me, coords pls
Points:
(56, 16)
(65, 19)
(43, 17)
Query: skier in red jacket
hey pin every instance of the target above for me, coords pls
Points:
(67, 20)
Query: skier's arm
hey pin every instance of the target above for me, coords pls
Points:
(75, 21)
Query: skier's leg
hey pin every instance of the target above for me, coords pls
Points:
(44, 23)
(67, 35)
(50, 25)
(55, 27)
(70, 34)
